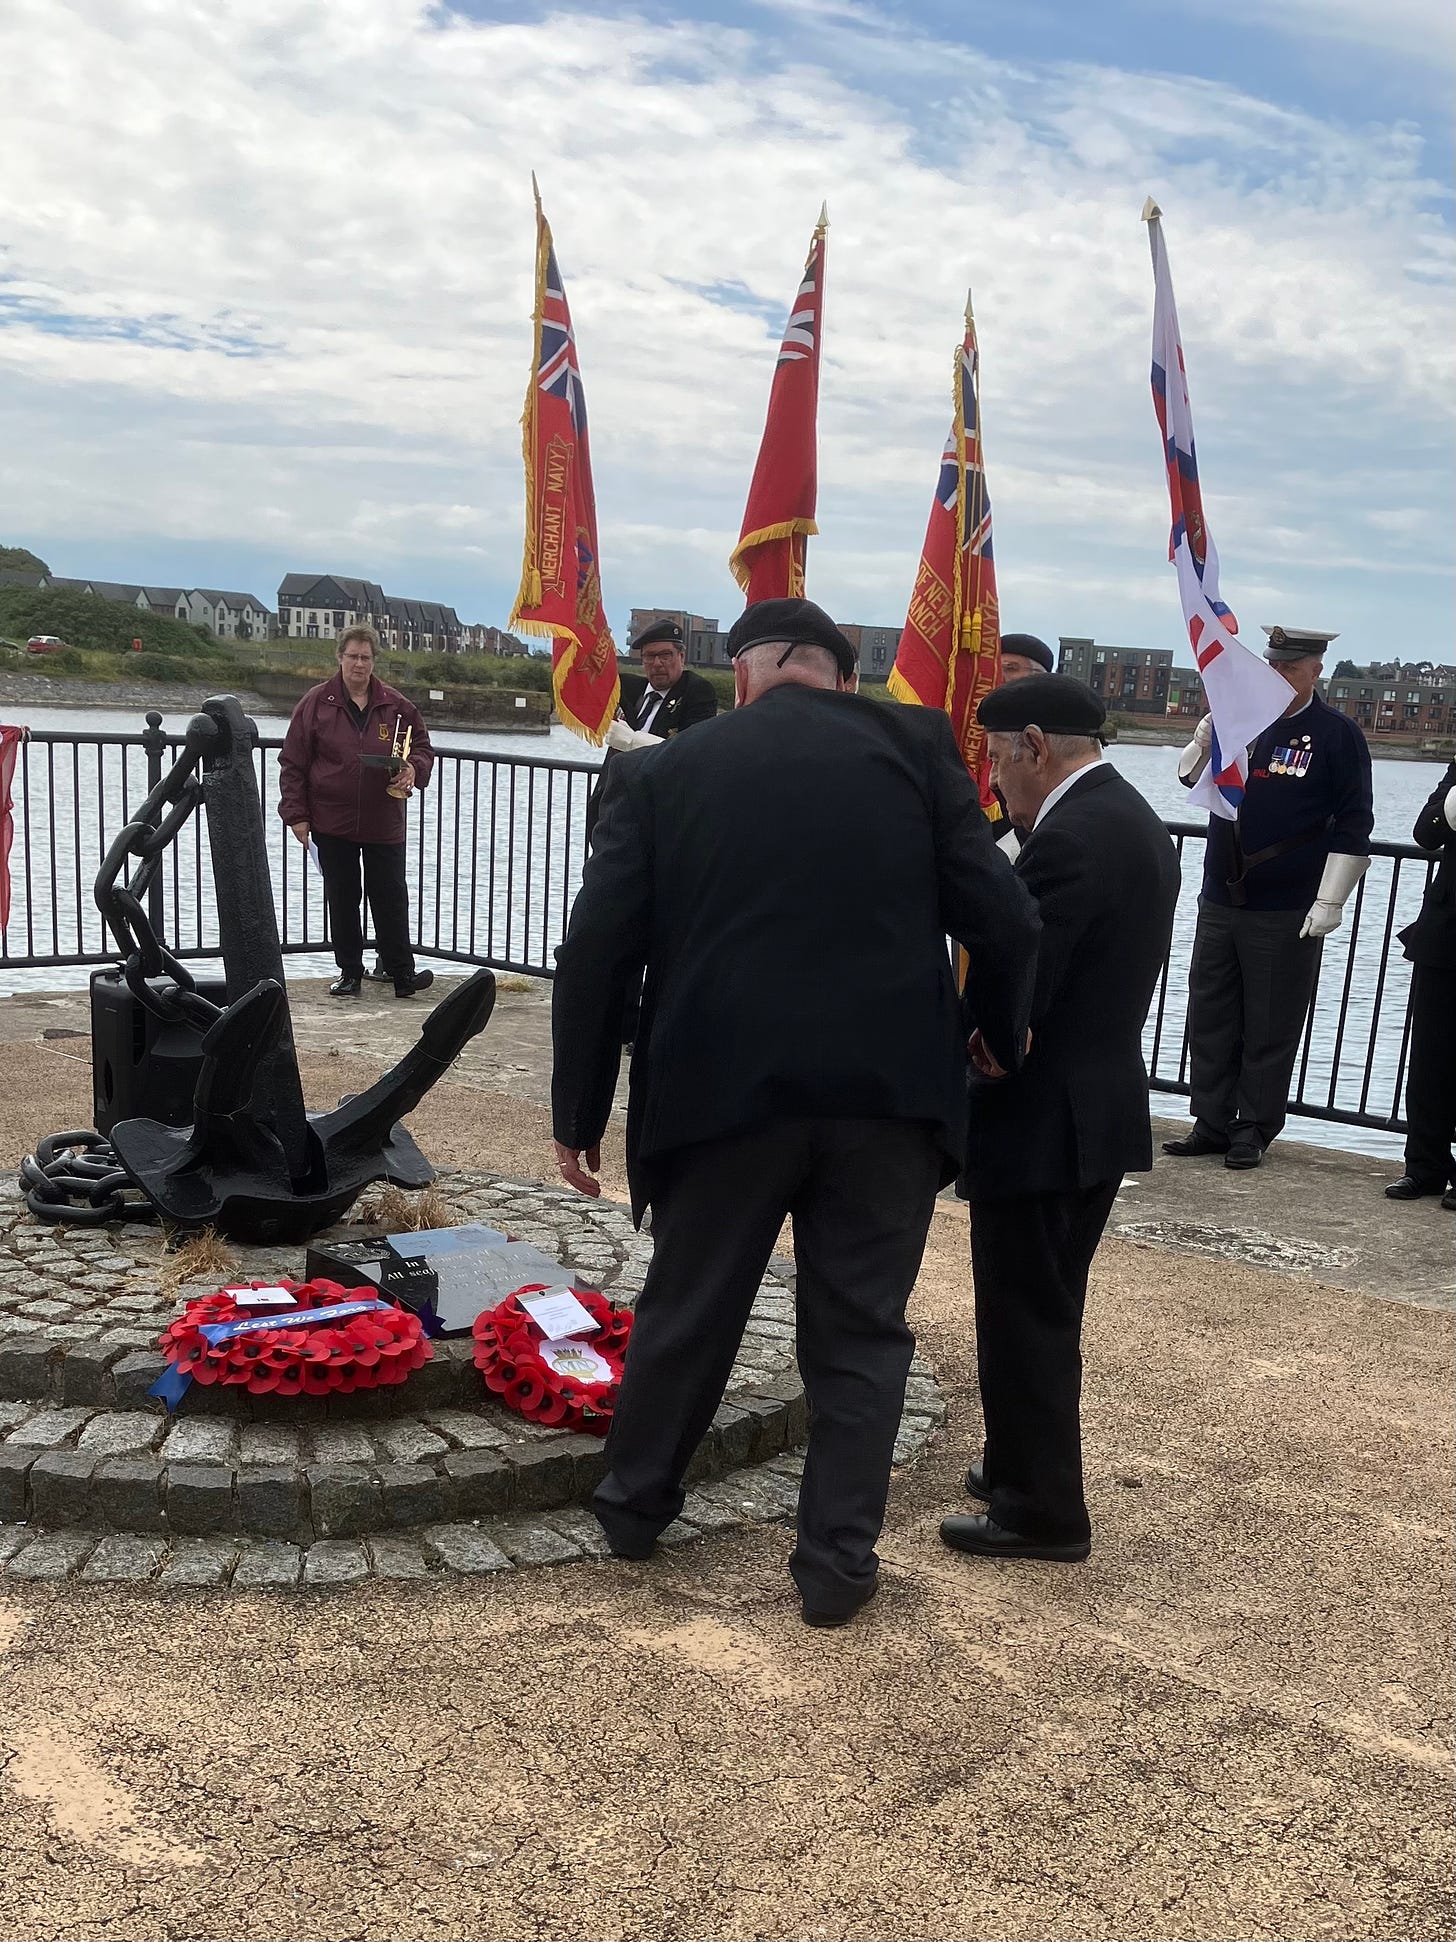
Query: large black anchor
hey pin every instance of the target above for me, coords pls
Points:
(253, 1163)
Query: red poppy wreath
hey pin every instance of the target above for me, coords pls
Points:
(282, 1355)
(575, 1385)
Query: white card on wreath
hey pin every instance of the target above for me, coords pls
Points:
(262, 1298)
(575, 1361)
(558, 1314)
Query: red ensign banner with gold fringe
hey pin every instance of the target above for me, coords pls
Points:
(950, 652)
(10, 740)
(768, 561)
(561, 589)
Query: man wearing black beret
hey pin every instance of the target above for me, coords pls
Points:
(790, 873)
(666, 698)
(1048, 1146)
(1022, 656)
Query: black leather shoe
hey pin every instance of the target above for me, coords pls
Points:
(407, 987)
(976, 1485)
(1243, 1155)
(1194, 1145)
(1448, 1200)
(346, 987)
(827, 1620)
(983, 1539)
(1407, 1188)
(633, 1548)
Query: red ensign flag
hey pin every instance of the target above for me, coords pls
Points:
(10, 740)
(950, 652)
(561, 589)
(768, 561)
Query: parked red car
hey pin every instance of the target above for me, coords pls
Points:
(44, 644)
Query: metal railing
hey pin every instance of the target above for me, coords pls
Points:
(496, 848)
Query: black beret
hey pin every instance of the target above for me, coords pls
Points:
(660, 630)
(797, 621)
(1029, 648)
(1054, 703)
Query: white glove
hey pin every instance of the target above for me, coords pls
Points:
(1450, 810)
(621, 738)
(1194, 759)
(1009, 845)
(1327, 911)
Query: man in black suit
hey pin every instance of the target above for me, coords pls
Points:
(661, 702)
(1049, 1145)
(790, 874)
(1430, 944)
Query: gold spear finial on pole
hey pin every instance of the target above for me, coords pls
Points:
(1151, 212)
(823, 222)
(970, 313)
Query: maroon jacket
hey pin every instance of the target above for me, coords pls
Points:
(322, 781)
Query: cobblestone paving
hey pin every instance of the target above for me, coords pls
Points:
(97, 1482)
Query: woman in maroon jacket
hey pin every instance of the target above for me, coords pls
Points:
(328, 793)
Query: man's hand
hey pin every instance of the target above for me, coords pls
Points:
(405, 778)
(1322, 919)
(985, 1060)
(568, 1163)
(1203, 734)
(300, 830)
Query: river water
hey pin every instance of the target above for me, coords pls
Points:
(496, 851)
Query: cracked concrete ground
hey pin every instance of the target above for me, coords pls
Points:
(1230, 1723)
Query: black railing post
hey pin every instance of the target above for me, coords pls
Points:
(154, 742)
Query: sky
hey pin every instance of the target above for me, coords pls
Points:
(266, 279)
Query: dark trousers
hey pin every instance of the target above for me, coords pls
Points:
(383, 867)
(861, 1193)
(1430, 1087)
(1249, 986)
(1030, 1257)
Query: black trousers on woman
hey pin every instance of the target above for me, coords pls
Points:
(1031, 1255)
(383, 882)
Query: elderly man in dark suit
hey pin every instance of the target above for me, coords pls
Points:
(789, 873)
(1430, 944)
(1048, 1146)
(662, 701)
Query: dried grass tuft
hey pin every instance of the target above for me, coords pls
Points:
(200, 1256)
(401, 1213)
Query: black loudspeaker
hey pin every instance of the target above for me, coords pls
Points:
(141, 1066)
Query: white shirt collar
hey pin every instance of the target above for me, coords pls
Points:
(1069, 782)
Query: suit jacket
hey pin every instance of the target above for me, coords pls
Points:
(1105, 877)
(789, 875)
(1431, 939)
(688, 701)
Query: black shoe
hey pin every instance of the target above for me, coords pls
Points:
(633, 1548)
(983, 1539)
(1408, 1188)
(349, 986)
(407, 987)
(976, 1485)
(826, 1620)
(1194, 1145)
(1448, 1200)
(1244, 1154)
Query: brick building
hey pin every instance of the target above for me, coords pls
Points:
(1131, 680)
(1186, 698)
(1414, 704)
(707, 643)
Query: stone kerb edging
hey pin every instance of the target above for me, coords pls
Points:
(256, 1491)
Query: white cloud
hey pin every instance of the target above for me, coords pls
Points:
(267, 273)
